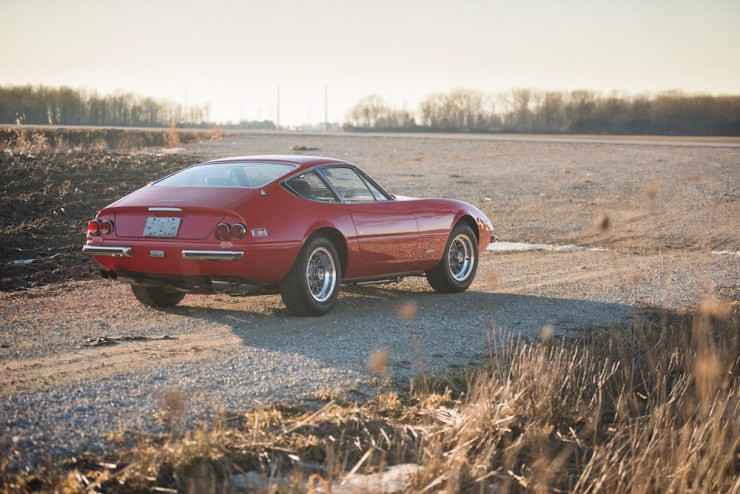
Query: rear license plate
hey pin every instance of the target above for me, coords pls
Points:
(161, 227)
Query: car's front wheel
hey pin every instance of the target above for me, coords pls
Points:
(155, 296)
(456, 270)
(312, 286)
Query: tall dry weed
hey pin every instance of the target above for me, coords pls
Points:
(171, 137)
(217, 133)
(26, 141)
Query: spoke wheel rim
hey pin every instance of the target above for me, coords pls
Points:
(461, 257)
(321, 274)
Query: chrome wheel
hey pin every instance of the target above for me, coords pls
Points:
(321, 274)
(311, 287)
(461, 257)
(456, 270)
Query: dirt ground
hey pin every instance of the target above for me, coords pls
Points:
(656, 197)
(47, 201)
(665, 217)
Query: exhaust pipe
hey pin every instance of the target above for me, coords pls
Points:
(108, 275)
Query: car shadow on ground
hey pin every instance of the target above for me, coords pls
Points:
(419, 331)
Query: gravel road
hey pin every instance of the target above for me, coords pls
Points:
(64, 390)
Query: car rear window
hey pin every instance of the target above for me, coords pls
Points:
(244, 175)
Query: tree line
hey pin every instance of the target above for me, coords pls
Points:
(42, 105)
(536, 111)
(460, 110)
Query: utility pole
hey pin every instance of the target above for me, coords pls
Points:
(277, 124)
(326, 108)
(184, 118)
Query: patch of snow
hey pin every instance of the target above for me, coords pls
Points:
(393, 480)
(523, 247)
(725, 253)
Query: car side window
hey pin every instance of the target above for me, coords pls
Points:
(310, 186)
(379, 196)
(348, 184)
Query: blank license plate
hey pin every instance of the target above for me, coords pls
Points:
(161, 227)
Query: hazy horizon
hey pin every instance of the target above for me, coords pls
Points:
(233, 55)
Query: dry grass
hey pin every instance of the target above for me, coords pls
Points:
(26, 140)
(649, 408)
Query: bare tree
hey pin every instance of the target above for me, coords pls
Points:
(431, 109)
(460, 109)
(368, 111)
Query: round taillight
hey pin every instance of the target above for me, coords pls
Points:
(238, 231)
(106, 227)
(93, 227)
(222, 231)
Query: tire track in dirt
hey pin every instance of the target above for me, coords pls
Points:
(95, 363)
(559, 277)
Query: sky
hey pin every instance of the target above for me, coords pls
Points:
(234, 54)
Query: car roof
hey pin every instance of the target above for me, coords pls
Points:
(303, 162)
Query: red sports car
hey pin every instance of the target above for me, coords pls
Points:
(302, 224)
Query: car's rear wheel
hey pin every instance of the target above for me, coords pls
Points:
(312, 286)
(154, 296)
(456, 271)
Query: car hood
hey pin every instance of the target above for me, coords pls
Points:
(185, 197)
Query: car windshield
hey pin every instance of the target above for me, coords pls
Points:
(245, 175)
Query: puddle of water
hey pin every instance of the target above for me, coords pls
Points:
(523, 247)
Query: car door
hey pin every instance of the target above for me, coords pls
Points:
(387, 232)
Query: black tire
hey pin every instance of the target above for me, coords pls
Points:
(456, 271)
(154, 296)
(312, 286)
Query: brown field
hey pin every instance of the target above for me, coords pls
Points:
(625, 376)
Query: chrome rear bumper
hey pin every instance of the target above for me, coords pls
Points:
(99, 250)
(212, 255)
(189, 255)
